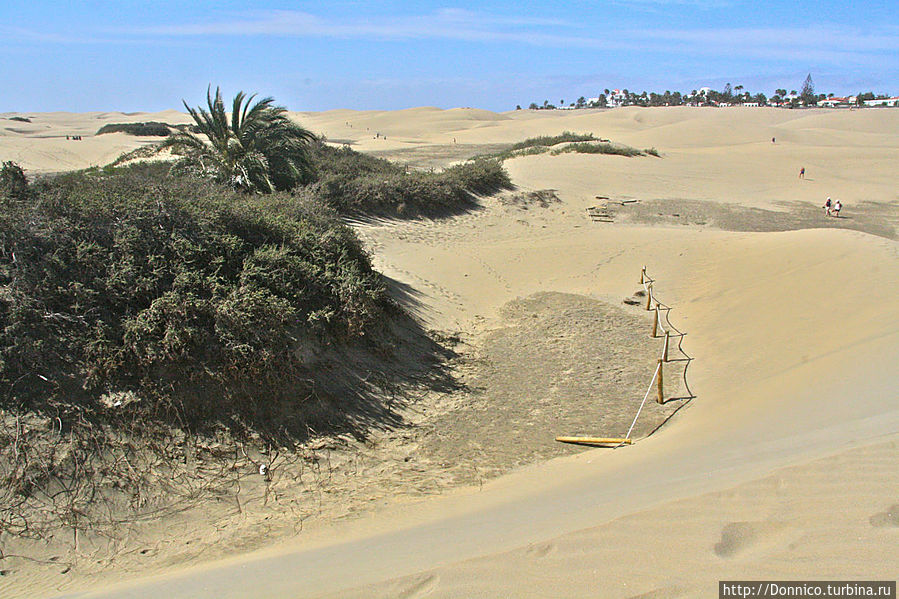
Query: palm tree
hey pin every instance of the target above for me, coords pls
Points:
(260, 150)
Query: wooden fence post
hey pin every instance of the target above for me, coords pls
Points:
(660, 397)
(665, 351)
(655, 323)
(643, 275)
(648, 297)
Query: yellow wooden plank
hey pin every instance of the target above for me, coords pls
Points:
(594, 440)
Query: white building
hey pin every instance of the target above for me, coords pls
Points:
(883, 102)
(834, 102)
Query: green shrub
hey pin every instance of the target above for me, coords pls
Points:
(600, 148)
(357, 184)
(205, 303)
(552, 140)
(151, 128)
(539, 145)
(13, 184)
(147, 151)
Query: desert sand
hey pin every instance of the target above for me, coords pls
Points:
(783, 466)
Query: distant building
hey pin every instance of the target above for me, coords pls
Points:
(883, 102)
(835, 102)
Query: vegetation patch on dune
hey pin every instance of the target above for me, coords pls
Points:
(539, 145)
(565, 142)
(359, 185)
(256, 148)
(147, 129)
(598, 148)
(203, 303)
(552, 140)
(142, 154)
(356, 184)
(167, 327)
(168, 320)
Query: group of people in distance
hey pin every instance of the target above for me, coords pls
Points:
(830, 208)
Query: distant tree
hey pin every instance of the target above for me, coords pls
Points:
(533, 106)
(259, 150)
(518, 107)
(606, 91)
(780, 92)
(808, 91)
(726, 94)
(602, 101)
(793, 92)
(545, 103)
(861, 97)
(581, 102)
(761, 99)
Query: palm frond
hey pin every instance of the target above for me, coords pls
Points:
(260, 150)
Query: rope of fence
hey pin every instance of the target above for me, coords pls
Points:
(667, 328)
(642, 403)
(668, 331)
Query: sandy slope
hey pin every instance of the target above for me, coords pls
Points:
(41, 145)
(782, 381)
(784, 465)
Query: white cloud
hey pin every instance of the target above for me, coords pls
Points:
(831, 44)
(446, 23)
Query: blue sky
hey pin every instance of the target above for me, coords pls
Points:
(135, 56)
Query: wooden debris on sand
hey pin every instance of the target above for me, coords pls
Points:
(600, 214)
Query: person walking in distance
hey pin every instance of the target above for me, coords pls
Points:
(802, 173)
(827, 206)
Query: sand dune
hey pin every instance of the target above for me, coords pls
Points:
(41, 146)
(782, 382)
(782, 467)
